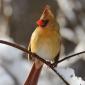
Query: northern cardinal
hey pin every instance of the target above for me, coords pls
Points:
(45, 42)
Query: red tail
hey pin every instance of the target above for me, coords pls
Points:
(33, 76)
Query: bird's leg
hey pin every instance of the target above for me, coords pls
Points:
(56, 60)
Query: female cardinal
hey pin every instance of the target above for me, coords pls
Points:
(45, 42)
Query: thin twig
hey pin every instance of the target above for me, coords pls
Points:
(58, 74)
(70, 56)
(36, 56)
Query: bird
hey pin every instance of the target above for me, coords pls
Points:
(45, 42)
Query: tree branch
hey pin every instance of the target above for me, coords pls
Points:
(70, 56)
(36, 56)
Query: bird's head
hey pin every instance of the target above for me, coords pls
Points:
(46, 18)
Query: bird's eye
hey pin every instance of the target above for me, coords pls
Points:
(45, 22)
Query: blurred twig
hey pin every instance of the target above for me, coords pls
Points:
(1, 7)
(13, 77)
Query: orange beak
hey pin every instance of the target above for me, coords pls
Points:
(42, 23)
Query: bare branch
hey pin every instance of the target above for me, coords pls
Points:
(70, 56)
(34, 55)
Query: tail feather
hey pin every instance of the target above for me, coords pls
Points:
(33, 76)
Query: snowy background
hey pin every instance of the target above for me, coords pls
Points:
(17, 22)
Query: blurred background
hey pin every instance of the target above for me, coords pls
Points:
(18, 21)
